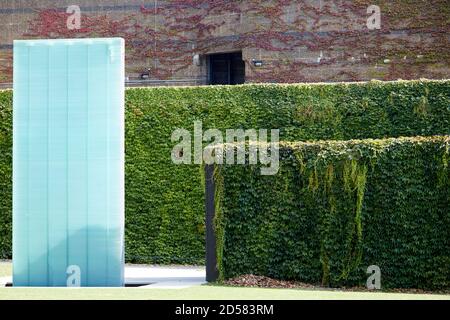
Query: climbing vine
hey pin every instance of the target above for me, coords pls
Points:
(6, 69)
(337, 180)
(332, 211)
(165, 202)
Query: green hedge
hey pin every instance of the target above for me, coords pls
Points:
(165, 202)
(337, 207)
(5, 174)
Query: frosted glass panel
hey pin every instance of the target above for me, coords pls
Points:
(68, 162)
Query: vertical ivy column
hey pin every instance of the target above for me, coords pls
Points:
(68, 162)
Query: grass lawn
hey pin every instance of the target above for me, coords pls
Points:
(209, 292)
(198, 292)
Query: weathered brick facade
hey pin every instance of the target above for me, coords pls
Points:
(297, 41)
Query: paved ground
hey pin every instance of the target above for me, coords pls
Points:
(162, 277)
(157, 277)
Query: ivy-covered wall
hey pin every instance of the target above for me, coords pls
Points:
(5, 174)
(338, 207)
(165, 202)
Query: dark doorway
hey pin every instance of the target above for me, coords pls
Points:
(226, 68)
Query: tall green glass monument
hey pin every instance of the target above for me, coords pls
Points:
(68, 162)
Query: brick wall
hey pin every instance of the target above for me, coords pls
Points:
(298, 41)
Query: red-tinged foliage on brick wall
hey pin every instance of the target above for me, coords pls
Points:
(299, 40)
